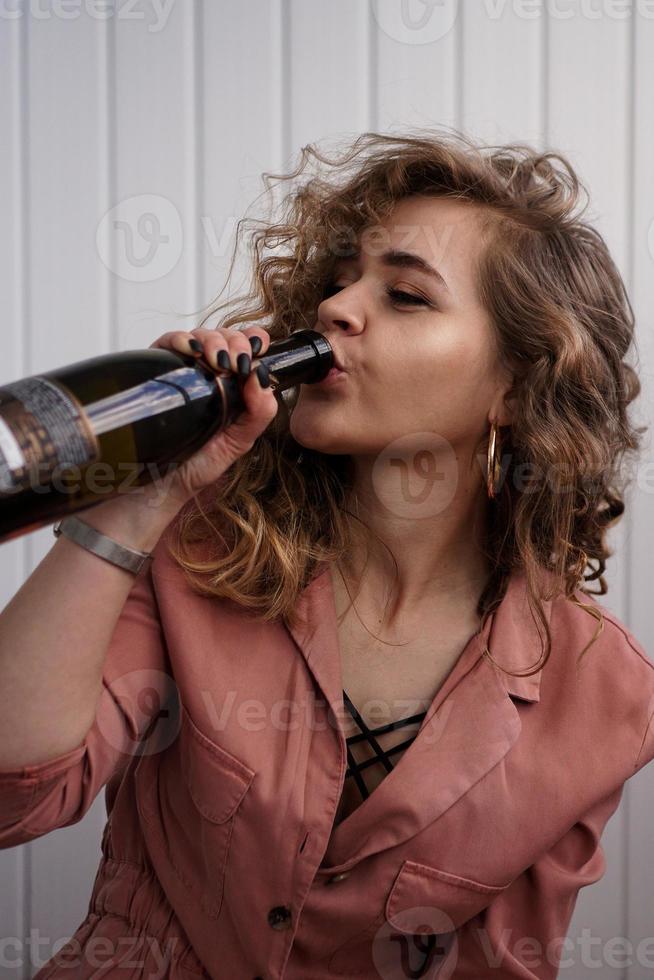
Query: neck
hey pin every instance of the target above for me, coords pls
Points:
(439, 557)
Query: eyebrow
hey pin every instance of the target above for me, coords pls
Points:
(403, 260)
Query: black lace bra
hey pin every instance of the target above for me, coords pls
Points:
(354, 770)
(354, 767)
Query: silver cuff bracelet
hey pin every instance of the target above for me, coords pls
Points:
(88, 537)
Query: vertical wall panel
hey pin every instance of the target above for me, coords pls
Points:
(13, 273)
(154, 244)
(64, 99)
(328, 58)
(416, 54)
(639, 816)
(501, 72)
(242, 124)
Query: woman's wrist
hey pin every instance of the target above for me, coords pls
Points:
(135, 519)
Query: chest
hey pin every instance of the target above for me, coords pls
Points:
(390, 687)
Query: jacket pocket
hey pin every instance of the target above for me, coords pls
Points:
(414, 933)
(430, 901)
(188, 798)
(217, 781)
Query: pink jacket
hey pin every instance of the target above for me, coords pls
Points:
(220, 743)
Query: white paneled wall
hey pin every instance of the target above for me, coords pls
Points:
(169, 112)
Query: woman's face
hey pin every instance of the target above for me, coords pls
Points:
(417, 363)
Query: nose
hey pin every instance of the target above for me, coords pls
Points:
(338, 312)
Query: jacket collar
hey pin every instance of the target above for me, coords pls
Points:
(518, 638)
(470, 726)
(513, 633)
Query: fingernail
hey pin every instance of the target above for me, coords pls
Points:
(243, 364)
(223, 360)
(263, 375)
(196, 346)
(255, 344)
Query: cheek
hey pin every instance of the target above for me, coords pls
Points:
(447, 365)
(406, 383)
(443, 387)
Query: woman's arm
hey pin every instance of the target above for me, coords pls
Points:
(524, 932)
(55, 632)
(136, 684)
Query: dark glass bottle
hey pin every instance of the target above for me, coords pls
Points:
(73, 437)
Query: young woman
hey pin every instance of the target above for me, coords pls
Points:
(360, 715)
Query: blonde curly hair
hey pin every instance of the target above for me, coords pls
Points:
(563, 324)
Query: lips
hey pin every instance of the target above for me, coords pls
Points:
(337, 358)
(333, 375)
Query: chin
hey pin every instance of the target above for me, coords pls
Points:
(330, 447)
(320, 436)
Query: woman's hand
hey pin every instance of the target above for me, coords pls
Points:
(217, 454)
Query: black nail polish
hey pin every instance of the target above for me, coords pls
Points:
(263, 375)
(196, 346)
(255, 344)
(223, 360)
(243, 364)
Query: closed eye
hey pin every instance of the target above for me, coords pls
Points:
(398, 295)
(402, 297)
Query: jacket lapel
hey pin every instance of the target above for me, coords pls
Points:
(469, 727)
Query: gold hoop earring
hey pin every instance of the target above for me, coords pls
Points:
(493, 466)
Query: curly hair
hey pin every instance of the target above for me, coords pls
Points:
(563, 324)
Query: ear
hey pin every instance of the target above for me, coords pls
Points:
(504, 405)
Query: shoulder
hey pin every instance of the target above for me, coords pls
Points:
(582, 619)
(598, 657)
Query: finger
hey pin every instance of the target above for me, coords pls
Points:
(240, 352)
(222, 349)
(211, 343)
(181, 340)
(214, 341)
(259, 340)
(259, 398)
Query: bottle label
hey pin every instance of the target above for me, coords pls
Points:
(43, 429)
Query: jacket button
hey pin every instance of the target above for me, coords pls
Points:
(339, 877)
(279, 917)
